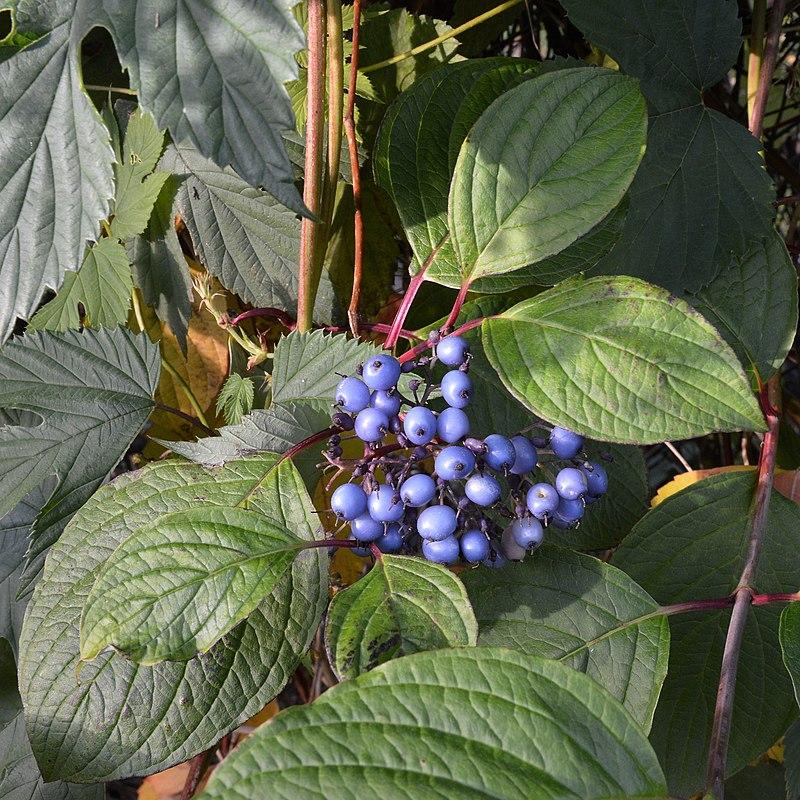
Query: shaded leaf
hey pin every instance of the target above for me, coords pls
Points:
(469, 723)
(93, 392)
(513, 204)
(789, 635)
(102, 285)
(175, 587)
(190, 704)
(51, 141)
(791, 761)
(20, 778)
(620, 360)
(213, 74)
(403, 605)
(690, 547)
(578, 610)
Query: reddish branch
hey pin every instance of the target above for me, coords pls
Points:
(457, 305)
(352, 146)
(423, 346)
(273, 313)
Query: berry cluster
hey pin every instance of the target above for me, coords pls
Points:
(433, 484)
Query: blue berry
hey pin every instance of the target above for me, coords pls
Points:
(565, 444)
(526, 455)
(441, 551)
(352, 394)
(386, 401)
(381, 371)
(474, 546)
(528, 533)
(390, 541)
(366, 529)
(561, 522)
(419, 425)
(452, 425)
(542, 500)
(495, 560)
(571, 483)
(570, 510)
(436, 523)
(596, 478)
(483, 490)
(349, 501)
(456, 388)
(454, 462)
(384, 506)
(508, 544)
(418, 490)
(452, 351)
(499, 453)
(371, 425)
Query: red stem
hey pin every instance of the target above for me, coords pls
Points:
(352, 146)
(309, 441)
(375, 327)
(411, 293)
(457, 306)
(351, 543)
(426, 345)
(274, 313)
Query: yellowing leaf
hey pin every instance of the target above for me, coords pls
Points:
(164, 785)
(685, 479)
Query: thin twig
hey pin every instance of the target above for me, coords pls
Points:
(457, 305)
(275, 313)
(188, 417)
(352, 145)
(677, 453)
(197, 766)
(90, 87)
(187, 391)
(415, 51)
(411, 293)
(720, 732)
(312, 173)
(788, 200)
(767, 68)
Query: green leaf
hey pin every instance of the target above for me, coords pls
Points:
(15, 529)
(791, 761)
(175, 587)
(274, 429)
(764, 281)
(676, 48)
(765, 780)
(403, 605)
(466, 724)
(692, 546)
(159, 267)
(512, 203)
(385, 32)
(235, 398)
(102, 285)
(52, 142)
(20, 778)
(213, 74)
(93, 392)
(578, 610)
(143, 144)
(412, 152)
(700, 195)
(190, 704)
(789, 635)
(135, 200)
(620, 360)
(308, 366)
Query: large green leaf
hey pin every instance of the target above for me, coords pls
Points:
(701, 194)
(620, 360)
(764, 282)
(102, 285)
(177, 585)
(15, 529)
(307, 367)
(55, 160)
(690, 547)
(241, 235)
(213, 74)
(93, 392)
(147, 718)
(274, 429)
(463, 724)
(789, 634)
(677, 48)
(20, 778)
(589, 615)
(514, 200)
(412, 151)
(401, 606)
